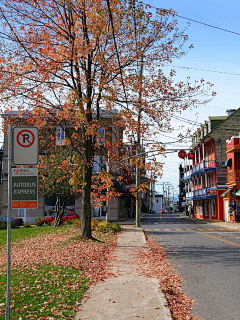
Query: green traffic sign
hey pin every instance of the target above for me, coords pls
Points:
(24, 188)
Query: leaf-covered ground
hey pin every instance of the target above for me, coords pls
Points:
(153, 263)
(51, 272)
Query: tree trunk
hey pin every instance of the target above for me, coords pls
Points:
(86, 195)
(86, 212)
(58, 215)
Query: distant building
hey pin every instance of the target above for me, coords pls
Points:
(158, 203)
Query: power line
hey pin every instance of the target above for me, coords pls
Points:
(203, 23)
(207, 70)
(208, 25)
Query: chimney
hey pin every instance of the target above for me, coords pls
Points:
(230, 112)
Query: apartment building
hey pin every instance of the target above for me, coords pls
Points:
(117, 207)
(205, 175)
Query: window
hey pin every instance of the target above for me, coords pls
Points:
(102, 136)
(99, 164)
(213, 207)
(60, 136)
(100, 211)
(206, 208)
(22, 214)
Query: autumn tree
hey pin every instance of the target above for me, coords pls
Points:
(56, 173)
(77, 62)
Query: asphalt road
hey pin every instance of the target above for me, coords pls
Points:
(208, 258)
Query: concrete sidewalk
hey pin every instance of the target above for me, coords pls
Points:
(128, 295)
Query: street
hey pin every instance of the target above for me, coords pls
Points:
(207, 257)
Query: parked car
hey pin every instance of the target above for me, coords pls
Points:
(17, 221)
(67, 215)
(164, 211)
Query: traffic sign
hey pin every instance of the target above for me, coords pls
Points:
(25, 146)
(24, 188)
(182, 154)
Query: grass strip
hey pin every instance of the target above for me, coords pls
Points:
(43, 292)
(24, 233)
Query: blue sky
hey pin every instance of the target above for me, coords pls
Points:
(214, 50)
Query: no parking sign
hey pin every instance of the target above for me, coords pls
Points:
(25, 146)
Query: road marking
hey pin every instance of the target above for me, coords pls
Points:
(200, 229)
(179, 229)
(156, 229)
(148, 229)
(167, 229)
(238, 245)
(210, 229)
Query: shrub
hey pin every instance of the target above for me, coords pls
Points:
(108, 227)
(69, 222)
(14, 225)
(3, 225)
(26, 225)
(94, 224)
(77, 223)
(116, 227)
(39, 222)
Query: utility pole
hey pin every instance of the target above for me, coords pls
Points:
(168, 200)
(138, 204)
(163, 196)
(107, 201)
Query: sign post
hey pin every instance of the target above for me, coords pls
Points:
(7, 313)
(25, 146)
(22, 182)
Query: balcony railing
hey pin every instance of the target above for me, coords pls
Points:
(199, 167)
(200, 193)
(233, 176)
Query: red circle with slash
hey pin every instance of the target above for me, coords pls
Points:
(28, 138)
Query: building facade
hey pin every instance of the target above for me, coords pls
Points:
(231, 197)
(205, 175)
(118, 207)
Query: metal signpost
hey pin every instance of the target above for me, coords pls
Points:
(7, 313)
(22, 182)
